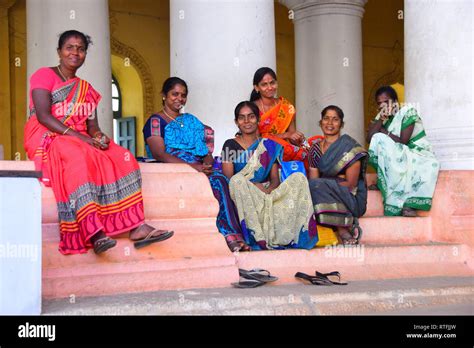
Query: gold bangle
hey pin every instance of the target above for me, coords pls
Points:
(67, 130)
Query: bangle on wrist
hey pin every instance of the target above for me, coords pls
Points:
(66, 130)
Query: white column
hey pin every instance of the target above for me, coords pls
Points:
(216, 47)
(438, 75)
(47, 19)
(328, 56)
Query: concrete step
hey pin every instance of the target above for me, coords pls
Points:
(395, 230)
(365, 262)
(166, 265)
(359, 297)
(376, 230)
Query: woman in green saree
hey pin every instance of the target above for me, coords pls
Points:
(407, 169)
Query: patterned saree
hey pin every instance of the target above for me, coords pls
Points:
(337, 205)
(281, 219)
(276, 121)
(185, 138)
(95, 190)
(406, 174)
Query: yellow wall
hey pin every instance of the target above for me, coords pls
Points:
(132, 96)
(13, 78)
(285, 52)
(383, 42)
(141, 30)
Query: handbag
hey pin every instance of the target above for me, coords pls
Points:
(289, 167)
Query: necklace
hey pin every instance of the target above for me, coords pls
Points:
(61, 73)
(173, 119)
(263, 105)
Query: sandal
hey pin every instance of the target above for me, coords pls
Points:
(258, 274)
(235, 243)
(326, 276)
(152, 238)
(312, 279)
(356, 227)
(104, 244)
(247, 283)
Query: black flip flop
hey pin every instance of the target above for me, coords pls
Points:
(258, 274)
(247, 283)
(312, 279)
(104, 244)
(150, 240)
(326, 276)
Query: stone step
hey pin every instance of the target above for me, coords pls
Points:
(418, 295)
(365, 262)
(376, 230)
(163, 267)
(395, 230)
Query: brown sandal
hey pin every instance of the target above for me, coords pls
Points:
(152, 237)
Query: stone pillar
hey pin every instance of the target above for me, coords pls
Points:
(5, 94)
(438, 76)
(328, 62)
(47, 19)
(216, 47)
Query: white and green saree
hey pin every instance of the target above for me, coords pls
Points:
(406, 174)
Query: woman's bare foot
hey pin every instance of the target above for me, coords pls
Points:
(346, 237)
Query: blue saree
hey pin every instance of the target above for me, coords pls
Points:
(185, 139)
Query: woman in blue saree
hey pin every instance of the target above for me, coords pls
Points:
(273, 214)
(337, 176)
(173, 137)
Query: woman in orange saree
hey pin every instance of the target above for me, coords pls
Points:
(96, 183)
(277, 116)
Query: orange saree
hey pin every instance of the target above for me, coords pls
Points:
(95, 190)
(276, 121)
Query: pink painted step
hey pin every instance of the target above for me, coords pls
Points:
(395, 230)
(365, 262)
(190, 259)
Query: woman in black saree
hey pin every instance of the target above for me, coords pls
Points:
(337, 177)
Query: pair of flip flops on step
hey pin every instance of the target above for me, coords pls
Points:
(254, 278)
(321, 278)
(103, 244)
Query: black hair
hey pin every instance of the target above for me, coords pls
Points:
(338, 110)
(169, 84)
(74, 33)
(251, 105)
(257, 77)
(388, 90)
